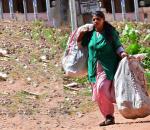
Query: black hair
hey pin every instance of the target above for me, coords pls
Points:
(107, 26)
(99, 14)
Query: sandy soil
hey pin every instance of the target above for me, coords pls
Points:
(57, 120)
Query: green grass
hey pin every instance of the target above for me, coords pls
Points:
(85, 92)
(147, 74)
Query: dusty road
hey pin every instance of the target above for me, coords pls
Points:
(47, 115)
(89, 121)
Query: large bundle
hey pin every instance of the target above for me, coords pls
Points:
(74, 61)
(130, 89)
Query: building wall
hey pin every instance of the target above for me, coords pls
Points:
(60, 14)
(107, 5)
(18, 6)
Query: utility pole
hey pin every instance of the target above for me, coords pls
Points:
(123, 9)
(35, 9)
(25, 9)
(1, 10)
(113, 9)
(48, 10)
(11, 9)
(72, 8)
(136, 10)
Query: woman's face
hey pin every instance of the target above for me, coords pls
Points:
(98, 22)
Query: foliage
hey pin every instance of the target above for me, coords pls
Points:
(146, 62)
(147, 37)
(133, 48)
(82, 80)
(49, 34)
(130, 35)
(144, 49)
(63, 40)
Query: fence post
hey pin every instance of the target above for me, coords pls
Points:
(136, 9)
(1, 10)
(72, 8)
(25, 9)
(113, 9)
(35, 9)
(11, 9)
(48, 10)
(123, 10)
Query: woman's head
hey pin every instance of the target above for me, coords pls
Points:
(98, 19)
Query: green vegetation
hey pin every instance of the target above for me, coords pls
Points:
(51, 35)
(146, 62)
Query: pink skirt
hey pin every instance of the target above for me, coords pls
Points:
(103, 92)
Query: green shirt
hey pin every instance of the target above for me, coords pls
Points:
(102, 49)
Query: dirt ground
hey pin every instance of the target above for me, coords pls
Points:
(50, 117)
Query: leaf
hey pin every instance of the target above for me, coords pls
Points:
(147, 37)
(133, 49)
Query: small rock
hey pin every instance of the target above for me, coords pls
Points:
(73, 84)
(25, 66)
(3, 52)
(45, 64)
(17, 59)
(45, 70)
(11, 81)
(38, 122)
(44, 58)
(34, 84)
(29, 79)
(67, 99)
(56, 65)
(3, 76)
(79, 114)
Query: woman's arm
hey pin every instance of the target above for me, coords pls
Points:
(80, 36)
(121, 52)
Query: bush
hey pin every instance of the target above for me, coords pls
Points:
(133, 49)
(146, 62)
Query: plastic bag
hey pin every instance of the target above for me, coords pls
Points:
(74, 61)
(130, 89)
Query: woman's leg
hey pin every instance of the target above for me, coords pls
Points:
(103, 93)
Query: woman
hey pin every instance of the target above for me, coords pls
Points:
(104, 50)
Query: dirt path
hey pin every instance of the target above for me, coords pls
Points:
(88, 122)
(48, 116)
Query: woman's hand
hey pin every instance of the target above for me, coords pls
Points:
(123, 54)
(82, 31)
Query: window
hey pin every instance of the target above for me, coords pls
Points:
(144, 3)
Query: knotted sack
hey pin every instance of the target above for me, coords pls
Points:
(130, 89)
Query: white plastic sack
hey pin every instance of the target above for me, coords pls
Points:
(74, 61)
(130, 89)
